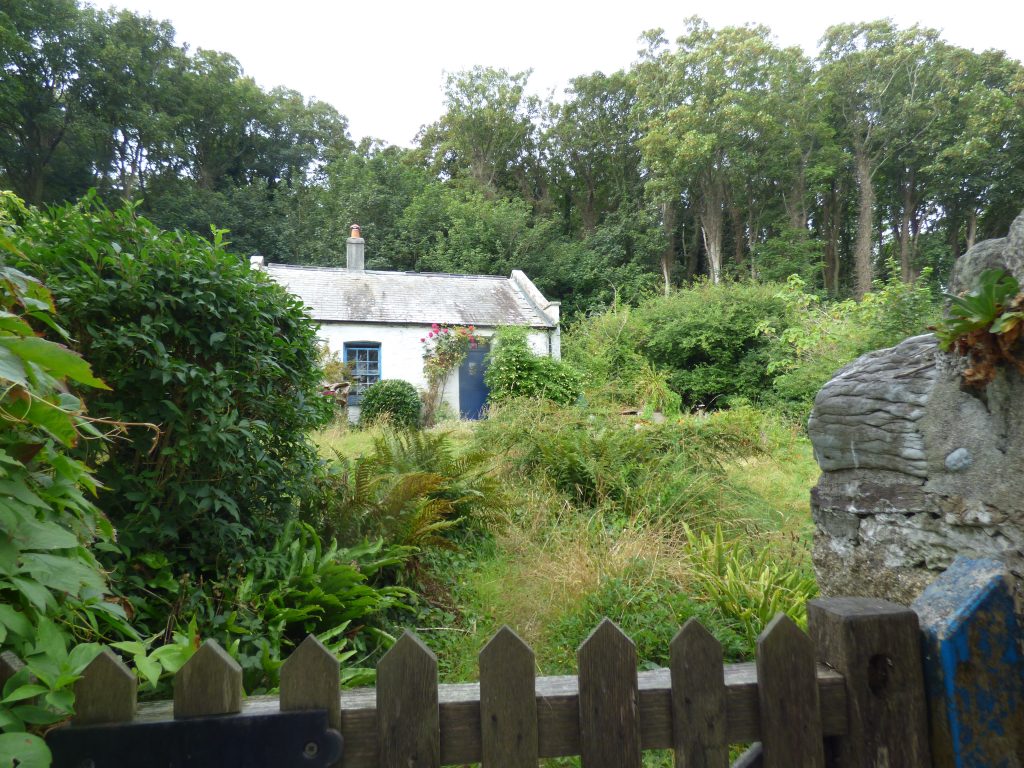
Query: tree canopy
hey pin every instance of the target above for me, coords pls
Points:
(721, 154)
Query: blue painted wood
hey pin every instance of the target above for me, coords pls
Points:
(473, 389)
(973, 668)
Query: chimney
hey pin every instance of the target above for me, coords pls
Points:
(354, 259)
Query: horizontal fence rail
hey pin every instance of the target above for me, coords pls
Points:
(852, 689)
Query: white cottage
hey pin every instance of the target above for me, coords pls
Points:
(377, 319)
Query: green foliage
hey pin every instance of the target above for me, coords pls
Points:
(711, 340)
(515, 371)
(52, 588)
(981, 309)
(662, 471)
(263, 609)
(748, 585)
(648, 608)
(392, 399)
(985, 326)
(221, 360)
(412, 490)
(828, 335)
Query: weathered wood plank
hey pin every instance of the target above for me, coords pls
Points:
(106, 691)
(558, 730)
(791, 729)
(752, 758)
(609, 696)
(210, 683)
(508, 703)
(876, 645)
(408, 724)
(698, 698)
(311, 679)
(973, 668)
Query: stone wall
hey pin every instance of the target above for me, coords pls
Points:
(916, 469)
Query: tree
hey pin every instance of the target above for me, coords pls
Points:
(487, 132)
(879, 82)
(48, 139)
(710, 107)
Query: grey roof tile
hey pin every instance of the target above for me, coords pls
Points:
(338, 295)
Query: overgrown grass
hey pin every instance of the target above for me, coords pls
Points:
(706, 517)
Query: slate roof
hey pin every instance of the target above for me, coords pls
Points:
(339, 295)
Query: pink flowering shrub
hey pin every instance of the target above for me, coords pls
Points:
(444, 349)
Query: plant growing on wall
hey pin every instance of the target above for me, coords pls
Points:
(985, 326)
(444, 349)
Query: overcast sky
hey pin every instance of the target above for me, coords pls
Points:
(382, 64)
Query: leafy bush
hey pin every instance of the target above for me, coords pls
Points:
(747, 584)
(711, 339)
(412, 490)
(264, 609)
(828, 335)
(52, 589)
(392, 399)
(515, 371)
(191, 340)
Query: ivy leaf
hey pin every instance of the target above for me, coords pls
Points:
(42, 534)
(11, 367)
(15, 621)
(28, 750)
(57, 359)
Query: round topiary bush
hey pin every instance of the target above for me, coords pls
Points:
(391, 399)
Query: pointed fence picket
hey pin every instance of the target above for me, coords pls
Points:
(851, 693)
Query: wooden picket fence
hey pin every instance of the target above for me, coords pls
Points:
(850, 692)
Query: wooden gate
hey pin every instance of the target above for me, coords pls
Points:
(850, 692)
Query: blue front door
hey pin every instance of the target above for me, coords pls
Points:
(472, 389)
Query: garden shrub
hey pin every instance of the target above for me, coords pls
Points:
(412, 490)
(52, 589)
(218, 357)
(515, 371)
(828, 335)
(712, 340)
(394, 400)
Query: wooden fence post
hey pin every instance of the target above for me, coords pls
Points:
(698, 699)
(787, 687)
(508, 702)
(210, 683)
(106, 691)
(609, 699)
(408, 717)
(311, 679)
(876, 646)
(973, 668)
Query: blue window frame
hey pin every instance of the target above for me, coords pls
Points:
(364, 357)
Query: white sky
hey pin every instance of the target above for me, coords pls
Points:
(382, 64)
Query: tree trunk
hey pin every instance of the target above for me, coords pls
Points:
(713, 198)
(862, 251)
(906, 239)
(668, 255)
(953, 225)
(830, 230)
(738, 235)
(972, 228)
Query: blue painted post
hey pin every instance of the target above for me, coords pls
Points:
(973, 670)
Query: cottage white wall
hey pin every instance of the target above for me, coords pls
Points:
(401, 351)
